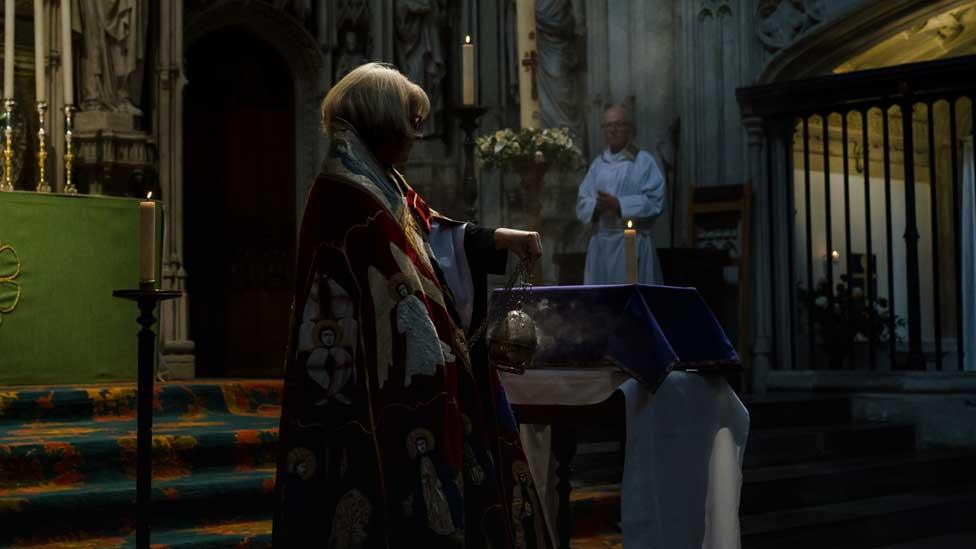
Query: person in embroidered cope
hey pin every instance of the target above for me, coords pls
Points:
(391, 434)
(623, 184)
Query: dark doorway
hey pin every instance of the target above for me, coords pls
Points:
(239, 203)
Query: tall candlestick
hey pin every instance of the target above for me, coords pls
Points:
(40, 47)
(147, 242)
(630, 250)
(467, 70)
(67, 60)
(9, 54)
(528, 63)
(8, 147)
(42, 185)
(69, 154)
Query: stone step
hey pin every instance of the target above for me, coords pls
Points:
(816, 443)
(602, 462)
(820, 483)
(596, 509)
(860, 524)
(117, 401)
(236, 534)
(779, 410)
(864, 523)
(211, 495)
(949, 541)
(53, 454)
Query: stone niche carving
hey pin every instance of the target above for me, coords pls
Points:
(561, 29)
(421, 29)
(781, 22)
(114, 153)
(353, 38)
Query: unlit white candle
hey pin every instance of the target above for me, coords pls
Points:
(40, 44)
(467, 70)
(67, 59)
(9, 53)
(147, 241)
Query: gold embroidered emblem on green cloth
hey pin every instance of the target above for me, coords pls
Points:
(9, 286)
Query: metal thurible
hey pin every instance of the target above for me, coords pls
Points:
(42, 185)
(69, 155)
(8, 148)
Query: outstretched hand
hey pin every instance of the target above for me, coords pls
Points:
(527, 245)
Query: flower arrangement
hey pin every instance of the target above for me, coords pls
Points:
(844, 316)
(510, 149)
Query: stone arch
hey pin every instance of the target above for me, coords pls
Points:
(831, 43)
(306, 63)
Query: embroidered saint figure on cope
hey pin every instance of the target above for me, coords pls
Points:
(529, 531)
(472, 466)
(436, 496)
(324, 343)
(350, 523)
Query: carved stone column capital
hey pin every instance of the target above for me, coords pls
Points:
(755, 129)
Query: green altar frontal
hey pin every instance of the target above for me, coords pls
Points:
(61, 257)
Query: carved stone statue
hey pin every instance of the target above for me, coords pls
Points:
(560, 29)
(350, 56)
(420, 53)
(112, 55)
(783, 21)
(299, 8)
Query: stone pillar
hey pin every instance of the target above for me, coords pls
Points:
(177, 348)
(762, 349)
(597, 72)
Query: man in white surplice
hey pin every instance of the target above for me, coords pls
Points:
(623, 184)
(685, 443)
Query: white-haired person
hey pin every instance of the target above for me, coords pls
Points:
(392, 436)
(623, 184)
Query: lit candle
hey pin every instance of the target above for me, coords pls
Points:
(467, 70)
(527, 57)
(147, 240)
(40, 44)
(630, 250)
(67, 61)
(8, 49)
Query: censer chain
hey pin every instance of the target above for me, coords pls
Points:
(511, 298)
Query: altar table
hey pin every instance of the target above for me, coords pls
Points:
(640, 351)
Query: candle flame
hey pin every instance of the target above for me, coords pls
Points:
(467, 38)
(148, 196)
(630, 224)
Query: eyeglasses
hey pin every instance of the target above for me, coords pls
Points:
(615, 125)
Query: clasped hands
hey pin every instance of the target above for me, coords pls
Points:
(606, 202)
(527, 245)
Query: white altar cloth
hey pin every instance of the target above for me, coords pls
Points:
(683, 460)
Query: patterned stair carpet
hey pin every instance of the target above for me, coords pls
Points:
(67, 468)
(67, 465)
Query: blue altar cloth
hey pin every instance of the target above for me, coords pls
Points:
(647, 331)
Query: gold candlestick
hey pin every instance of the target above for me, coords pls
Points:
(42, 186)
(69, 155)
(8, 148)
